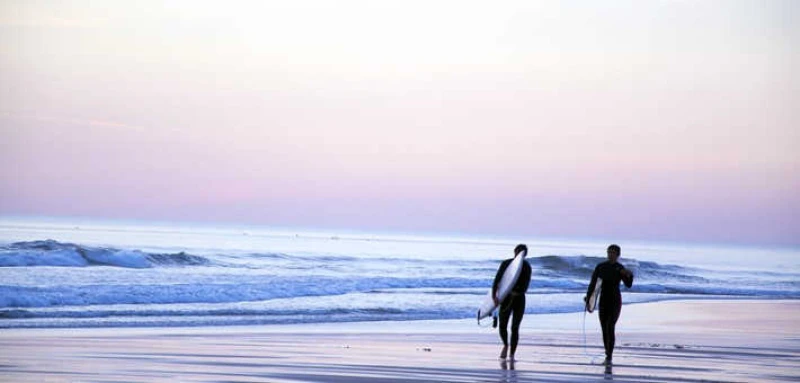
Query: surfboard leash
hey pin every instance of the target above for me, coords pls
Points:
(585, 348)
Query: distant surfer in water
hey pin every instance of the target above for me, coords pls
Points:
(514, 303)
(610, 305)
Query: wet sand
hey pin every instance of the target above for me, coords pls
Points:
(678, 341)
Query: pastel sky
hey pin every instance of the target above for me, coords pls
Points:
(659, 120)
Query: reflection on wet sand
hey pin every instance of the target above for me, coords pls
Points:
(509, 372)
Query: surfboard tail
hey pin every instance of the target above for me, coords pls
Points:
(591, 303)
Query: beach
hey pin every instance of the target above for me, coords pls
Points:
(111, 302)
(668, 341)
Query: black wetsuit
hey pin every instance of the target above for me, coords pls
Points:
(514, 303)
(610, 303)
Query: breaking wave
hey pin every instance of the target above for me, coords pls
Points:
(54, 253)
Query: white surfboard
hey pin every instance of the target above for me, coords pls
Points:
(507, 281)
(591, 305)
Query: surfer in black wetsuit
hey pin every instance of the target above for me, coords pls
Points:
(610, 305)
(514, 303)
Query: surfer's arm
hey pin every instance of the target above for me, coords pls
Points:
(627, 277)
(590, 289)
(525, 278)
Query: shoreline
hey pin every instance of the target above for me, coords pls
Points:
(667, 341)
(552, 320)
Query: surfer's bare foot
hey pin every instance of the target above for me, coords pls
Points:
(504, 352)
(511, 358)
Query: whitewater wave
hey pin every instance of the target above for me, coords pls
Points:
(54, 253)
(171, 278)
(269, 287)
(551, 273)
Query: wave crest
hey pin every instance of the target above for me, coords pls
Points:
(54, 253)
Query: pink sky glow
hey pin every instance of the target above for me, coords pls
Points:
(662, 120)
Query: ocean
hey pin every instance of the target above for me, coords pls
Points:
(59, 273)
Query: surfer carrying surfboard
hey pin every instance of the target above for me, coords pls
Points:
(611, 273)
(513, 302)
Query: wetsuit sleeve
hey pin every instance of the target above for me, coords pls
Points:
(499, 275)
(628, 281)
(590, 289)
(525, 278)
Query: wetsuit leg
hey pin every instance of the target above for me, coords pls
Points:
(609, 314)
(505, 314)
(518, 307)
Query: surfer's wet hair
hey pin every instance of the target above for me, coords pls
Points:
(521, 247)
(614, 249)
